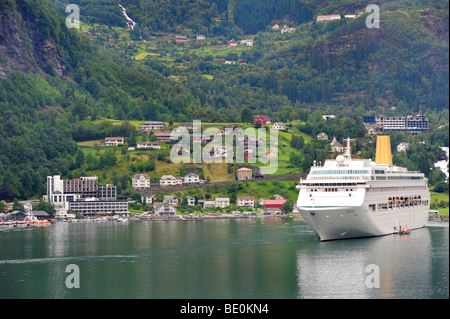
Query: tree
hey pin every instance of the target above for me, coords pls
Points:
(287, 207)
(246, 115)
(79, 159)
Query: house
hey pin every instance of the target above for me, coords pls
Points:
(148, 145)
(322, 136)
(162, 136)
(209, 204)
(190, 200)
(114, 141)
(180, 38)
(262, 119)
(275, 27)
(273, 204)
(329, 17)
(191, 178)
(243, 174)
(336, 146)
(169, 180)
(140, 181)
(232, 43)
(149, 126)
(201, 37)
(162, 208)
(279, 126)
(402, 147)
(287, 29)
(246, 201)
(328, 117)
(171, 199)
(247, 42)
(222, 202)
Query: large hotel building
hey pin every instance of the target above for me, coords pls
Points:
(84, 195)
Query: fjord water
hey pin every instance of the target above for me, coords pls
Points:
(249, 258)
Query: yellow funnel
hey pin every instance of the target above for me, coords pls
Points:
(383, 154)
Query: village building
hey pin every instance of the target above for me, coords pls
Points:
(222, 202)
(273, 204)
(148, 145)
(107, 192)
(140, 181)
(191, 178)
(200, 37)
(336, 146)
(322, 136)
(150, 126)
(162, 208)
(402, 147)
(171, 199)
(114, 141)
(247, 42)
(180, 38)
(162, 136)
(329, 17)
(245, 201)
(169, 180)
(262, 119)
(190, 200)
(244, 173)
(279, 126)
(232, 43)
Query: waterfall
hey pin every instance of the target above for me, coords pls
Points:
(130, 23)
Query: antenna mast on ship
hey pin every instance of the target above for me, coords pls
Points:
(348, 148)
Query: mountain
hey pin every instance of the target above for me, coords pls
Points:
(55, 83)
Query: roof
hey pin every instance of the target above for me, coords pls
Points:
(274, 201)
(246, 198)
(244, 169)
(222, 199)
(141, 175)
(113, 138)
(39, 213)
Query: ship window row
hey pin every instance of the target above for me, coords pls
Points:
(383, 178)
(339, 171)
(398, 202)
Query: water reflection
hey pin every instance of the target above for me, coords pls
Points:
(338, 269)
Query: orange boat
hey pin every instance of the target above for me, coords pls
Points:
(405, 230)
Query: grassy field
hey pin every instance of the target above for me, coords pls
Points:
(440, 197)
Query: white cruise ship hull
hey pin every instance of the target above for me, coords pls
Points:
(333, 223)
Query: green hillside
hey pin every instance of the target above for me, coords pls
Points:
(57, 83)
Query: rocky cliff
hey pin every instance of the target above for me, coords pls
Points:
(22, 44)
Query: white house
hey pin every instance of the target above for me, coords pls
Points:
(246, 201)
(287, 29)
(247, 42)
(209, 204)
(113, 141)
(336, 146)
(190, 200)
(402, 147)
(329, 17)
(148, 145)
(140, 181)
(171, 199)
(222, 202)
(279, 126)
(201, 37)
(169, 180)
(191, 178)
(163, 208)
(322, 136)
(151, 126)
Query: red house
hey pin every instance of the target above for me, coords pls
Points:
(274, 204)
(262, 119)
(180, 38)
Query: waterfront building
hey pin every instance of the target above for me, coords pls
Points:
(107, 192)
(413, 124)
(246, 201)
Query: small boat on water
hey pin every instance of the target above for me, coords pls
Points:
(405, 231)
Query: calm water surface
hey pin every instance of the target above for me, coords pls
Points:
(262, 258)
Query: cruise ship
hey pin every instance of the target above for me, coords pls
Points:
(352, 198)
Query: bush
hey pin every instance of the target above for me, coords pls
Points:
(441, 187)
